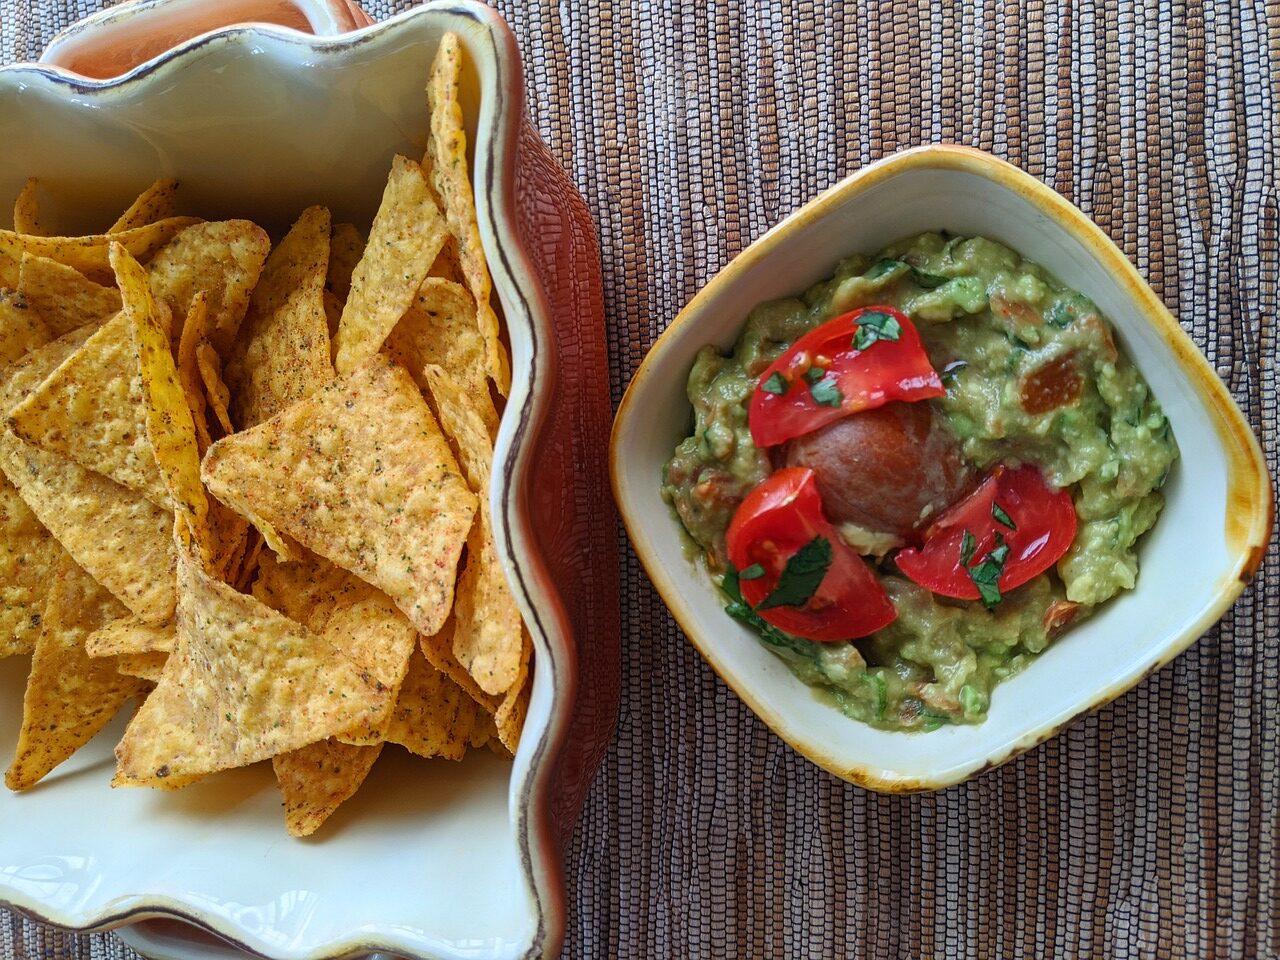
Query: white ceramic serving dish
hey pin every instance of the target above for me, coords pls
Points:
(1202, 552)
(430, 859)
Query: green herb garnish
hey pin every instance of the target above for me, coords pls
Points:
(753, 572)
(967, 545)
(814, 374)
(998, 512)
(825, 393)
(776, 384)
(880, 691)
(927, 280)
(740, 610)
(986, 575)
(885, 268)
(801, 576)
(875, 325)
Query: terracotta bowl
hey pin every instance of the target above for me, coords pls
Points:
(308, 103)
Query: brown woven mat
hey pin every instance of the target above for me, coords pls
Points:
(1147, 830)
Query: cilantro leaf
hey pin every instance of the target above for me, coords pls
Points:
(967, 545)
(927, 280)
(1001, 516)
(739, 610)
(801, 576)
(776, 383)
(875, 325)
(825, 393)
(753, 572)
(885, 270)
(814, 374)
(986, 575)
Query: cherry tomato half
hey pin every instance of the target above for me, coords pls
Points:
(772, 524)
(1035, 522)
(857, 361)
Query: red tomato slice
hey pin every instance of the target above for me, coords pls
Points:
(773, 522)
(791, 399)
(1044, 525)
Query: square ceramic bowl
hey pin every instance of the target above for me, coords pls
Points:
(1206, 546)
(431, 858)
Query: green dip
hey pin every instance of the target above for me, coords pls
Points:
(988, 319)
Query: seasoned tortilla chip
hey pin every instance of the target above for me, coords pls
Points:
(510, 715)
(70, 695)
(243, 684)
(439, 328)
(129, 634)
(438, 649)
(282, 354)
(252, 559)
(315, 780)
(122, 539)
(86, 254)
(194, 330)
(448, 152)
(90, 409)
(167, 418)
(147, 666)
(64, 297)
(26, 210)
(21, 327)
(345, 250)
(359, 473)
(447, 265)
(487, 627)
(407, 233)
(219, 396)
(157, 202)
(28, 556)
(224, 260)
(433, 717)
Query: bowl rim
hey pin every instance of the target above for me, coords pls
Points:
(529, 814)
(1248, 481)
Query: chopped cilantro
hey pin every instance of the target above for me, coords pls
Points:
(801, 576)
(879, 692)
(998, 512)
(875, 325)
(753, 572)
(986, 575)
(776, 383)
(926, 280)
(967, 545)
(825, 393)
(814, 374)
(740, 610)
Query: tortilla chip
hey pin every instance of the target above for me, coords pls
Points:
(357, 618)
(128, 634)
(440, 328)
(157, 202)
(243, 684)
(210, 366)
(438, 649)
(87, 254)
(21, 327)
(433, 717)
(346, 247)
(283, 354)
(28, 556)
(63, 296)
(224, 260)
(448, 152)
(315, 780)
(167, 418)
(510, 715)
(70, 695)
(359, 473)
(487, 625)
(194, 329)
(147, 666)
(407, 233)
(26, 210)
(90, 409)
(252, 559)
(447, 265)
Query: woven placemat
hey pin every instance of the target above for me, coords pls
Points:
(1149, 829)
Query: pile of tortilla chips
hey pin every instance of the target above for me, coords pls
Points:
(246, 486)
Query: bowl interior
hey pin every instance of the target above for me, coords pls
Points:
(1186, 562)
(426, 860)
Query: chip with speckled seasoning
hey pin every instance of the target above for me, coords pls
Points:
(70, 696)
(243, 684)
(359, 473)
(158, 201)
(317, 779)
(86, 254)
(130, 634)
(64, 297)
(433, 716)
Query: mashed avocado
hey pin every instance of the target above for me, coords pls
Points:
(1001, 330)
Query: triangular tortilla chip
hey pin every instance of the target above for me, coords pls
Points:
(345, 250)
(28, 556)
(128, 634)
(70, 695)
(433, 717)
(282, 354)
(21, 327)
(510, 715)
(90, 409)
(26, 209)
(122, 539)
(244, 683)
(86, 254)
(315, 780)
(158, 201)
(439, 329)
(219, 396)
(194, 330)
(448, 153)
(147, 666)
(438, 649)
(407, 233)
(64, 297)
(487, 626)
(224, 260)
(167, 419)
(360, 474)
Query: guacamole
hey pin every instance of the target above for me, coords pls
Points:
(1032, 376)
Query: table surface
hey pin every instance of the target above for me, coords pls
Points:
(1148, 829)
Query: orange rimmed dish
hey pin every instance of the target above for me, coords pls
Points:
(1203, 551)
